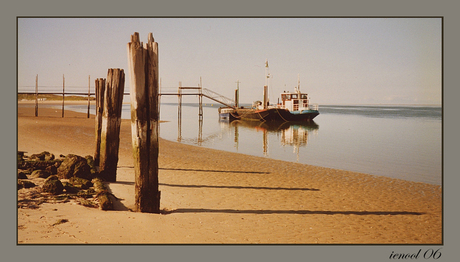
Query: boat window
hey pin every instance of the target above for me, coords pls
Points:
(304, 96)
(288, 97)
(296, 102)
(294, 96)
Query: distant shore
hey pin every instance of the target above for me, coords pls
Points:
(217, 197)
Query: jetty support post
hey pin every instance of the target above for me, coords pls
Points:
(111, 120)
(143, 70)
(237, 94)
(36, 95)
(179, 95)
(99, 88)
(89, 93)
(63, 94)
(179, 113)
(200, 101)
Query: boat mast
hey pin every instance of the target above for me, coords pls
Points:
(267, 77)
(298, 83)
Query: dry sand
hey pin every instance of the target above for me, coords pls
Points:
(220, 197)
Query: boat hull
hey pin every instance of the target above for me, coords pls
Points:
(227, 117)
(276, 114)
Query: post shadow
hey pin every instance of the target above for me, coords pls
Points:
(295, 212)
(242, 187)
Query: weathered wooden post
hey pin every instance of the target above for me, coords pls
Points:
(143, 71)
(111, 120)
(99, 88)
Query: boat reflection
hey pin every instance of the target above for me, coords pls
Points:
(288, 134)
(294, 134)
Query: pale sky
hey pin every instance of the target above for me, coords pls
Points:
(339, 60)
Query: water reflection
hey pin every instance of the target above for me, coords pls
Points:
(199, 140)
(293, 134)
(289, 134)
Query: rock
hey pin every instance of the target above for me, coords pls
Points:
(57, 163)
(69, 188)
(40, 174)
(53, 185)
(80, 182)
(90, 161)
(51, 169)
(21, 156)
(74, 166)
(105, 203)
(22, 175)
(25, 184)
(37, 164)
(43, 156)
(52, 178)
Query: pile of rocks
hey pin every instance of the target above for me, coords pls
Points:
(68, 177)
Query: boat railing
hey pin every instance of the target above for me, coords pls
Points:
(313, 106)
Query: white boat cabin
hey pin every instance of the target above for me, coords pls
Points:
(295, 101)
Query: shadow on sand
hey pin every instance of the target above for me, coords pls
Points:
(242, 187)
(298, 212)
(204, 170)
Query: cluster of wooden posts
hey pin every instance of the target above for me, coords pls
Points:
(143, 70)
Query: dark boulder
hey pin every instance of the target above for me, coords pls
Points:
(53, 185)
(69, 188)
(52, 169)
(22, 175)
(74, 166)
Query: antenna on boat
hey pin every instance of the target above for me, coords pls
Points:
(298, 82)
(267, 73)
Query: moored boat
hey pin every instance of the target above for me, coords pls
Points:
(294, 107)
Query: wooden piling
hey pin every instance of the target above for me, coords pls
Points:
(111, 120)
(179, 113)
(89, 94)
(237, 94)
(143, 69)
(179, 96)
(99, 88)
(63, 94)
(200, 101)
(36, 95)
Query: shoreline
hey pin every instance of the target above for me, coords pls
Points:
(227, 198)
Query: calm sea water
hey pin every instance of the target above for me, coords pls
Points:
(402, 142)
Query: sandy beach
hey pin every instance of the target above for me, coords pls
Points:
(217, 197)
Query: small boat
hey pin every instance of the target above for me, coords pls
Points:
(227, 114)
(294, 107)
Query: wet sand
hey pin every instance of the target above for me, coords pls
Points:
(211, 197)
